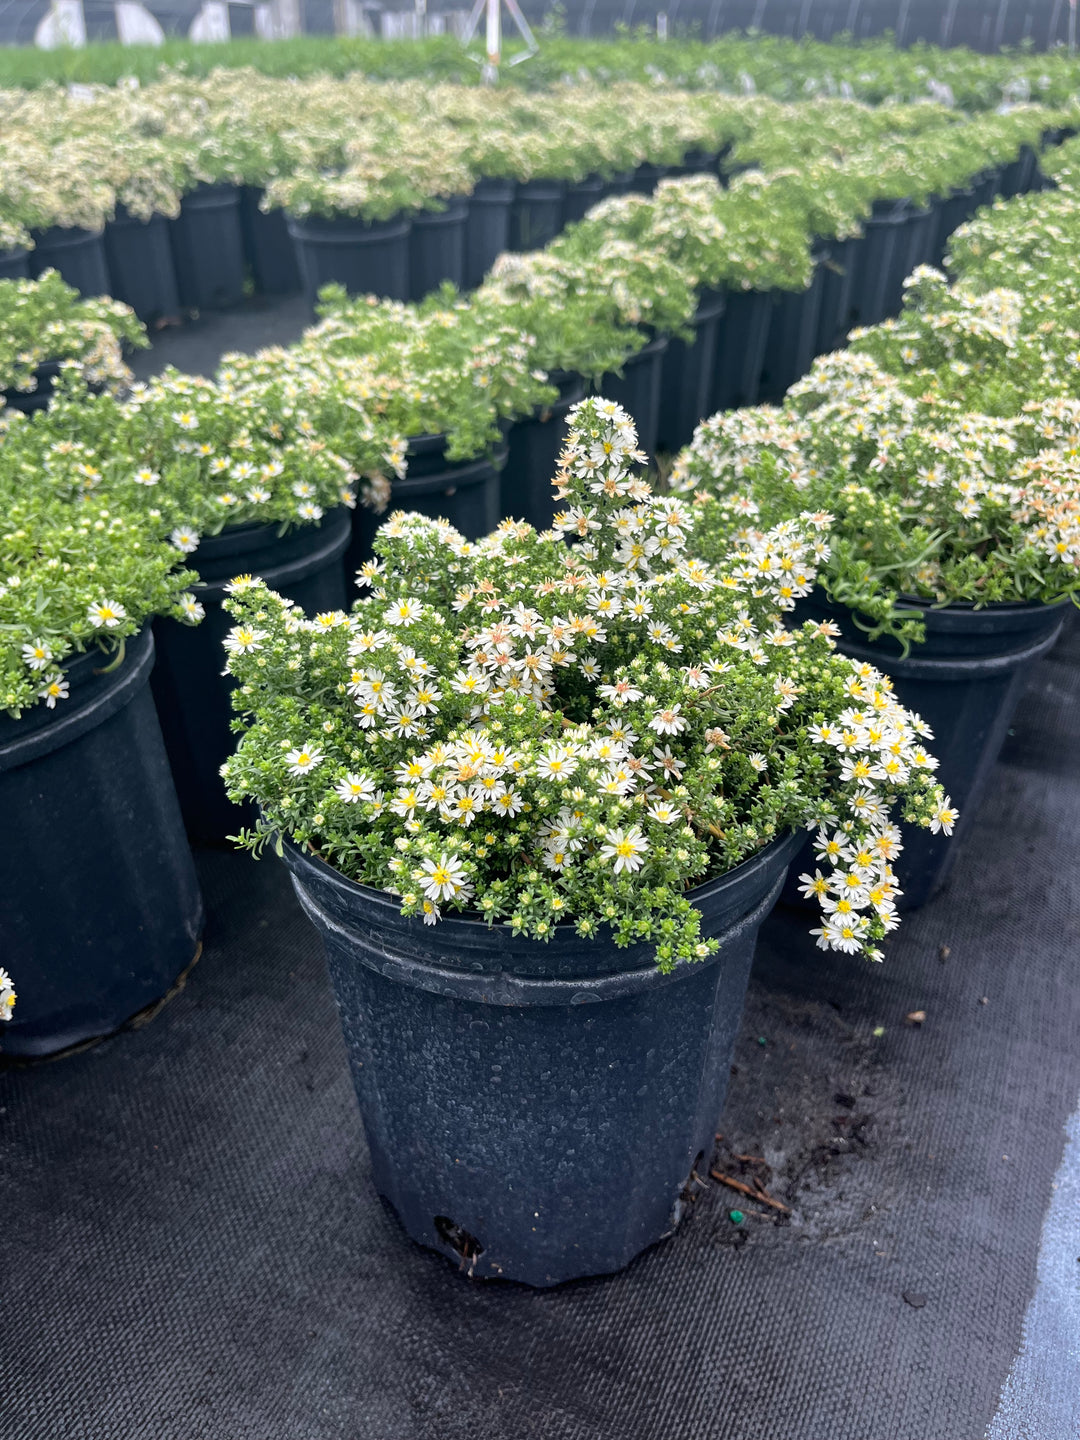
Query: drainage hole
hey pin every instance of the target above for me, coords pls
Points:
(449, 1231)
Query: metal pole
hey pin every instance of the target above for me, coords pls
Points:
(494, 41)
(1072, 27)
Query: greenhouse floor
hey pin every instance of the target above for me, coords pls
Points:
(193, 1249)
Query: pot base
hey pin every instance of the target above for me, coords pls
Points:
(28, 1053)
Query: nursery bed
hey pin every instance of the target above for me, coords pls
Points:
(196, 346)
(193, 1250)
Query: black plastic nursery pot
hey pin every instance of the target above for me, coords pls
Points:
(638, 390)
(101, 911)
(536, 1112)
(464, 492)
(208, 248)
(620, 183)
(191, 693)
(837, 283)
(268, 246)
(487, 228)
(965, 681)
(367, 258)
(437, 248)
(697, 162)
(141, 269)
(986, 186)
(38, 398)
(14, 265)
(79, 256)
(689, 373)
(533, 447)
(1017, 177)
(537, 214)
(647, 176)
(793, 334)
(956, 209)
(742, 336)
(581, 196)
(879, 261)
(914, 248)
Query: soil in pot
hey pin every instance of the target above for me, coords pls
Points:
(533, 449)
(537, 214)
(563, 1096)
(487, 229)
(965, 682)
(742, 335)
(101, 909)
(437, 248)
(79, 256)
(465, 492)
(268, 246)
(14, 265)
(368, 259)
(191, 693)
(689, 375)
(141, 269)
(639, 388)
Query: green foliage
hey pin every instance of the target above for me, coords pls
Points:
(78, 568)
(554, 733)
(929, 500)
(45, 319)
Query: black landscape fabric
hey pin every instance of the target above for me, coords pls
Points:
(193, 1249)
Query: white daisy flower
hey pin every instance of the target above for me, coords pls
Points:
(193, 609)
(443, 878)
(355, 787)
(669, 721)
(242, 639)
(303, 760)
(403, 612)
(626, 848)
(944, 818)
(185, 540)
(7, 995)
(56, 688)
(37, 654)
(107, 613)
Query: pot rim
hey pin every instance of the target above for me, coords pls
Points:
(473, 920)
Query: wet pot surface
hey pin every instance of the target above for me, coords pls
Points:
(535, 1111)
(192, 694)
(101, 907)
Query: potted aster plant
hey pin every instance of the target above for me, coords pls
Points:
(435, 385)
(538, 797)
(84, 778)
(956, 547)
(235, 485)
(45, 325)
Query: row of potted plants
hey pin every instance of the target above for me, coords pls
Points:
(873, 70)
(559, 737)
(435, 388)
(158, 194)
(479, 696)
